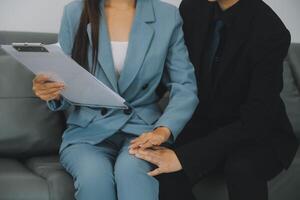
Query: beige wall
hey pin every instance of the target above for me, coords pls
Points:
(44, 15)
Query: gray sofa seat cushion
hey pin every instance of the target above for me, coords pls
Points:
(27, 126)
(60, 183)
(17, 182)
(285, 185)
(43, 165)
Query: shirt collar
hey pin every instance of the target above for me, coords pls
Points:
(228, 16)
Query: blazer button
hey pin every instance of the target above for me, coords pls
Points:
(145, 86)
(128, 111)
(104, 111)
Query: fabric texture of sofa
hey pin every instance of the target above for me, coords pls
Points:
(30, 136)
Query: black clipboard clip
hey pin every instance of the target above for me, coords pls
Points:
(30, 47)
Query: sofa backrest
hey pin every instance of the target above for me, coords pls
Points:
(27, 127)
(7, 37)
(291, 90)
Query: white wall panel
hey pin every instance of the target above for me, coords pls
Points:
(44, 15)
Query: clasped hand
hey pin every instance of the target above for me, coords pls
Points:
(150, 139)
(147, 147)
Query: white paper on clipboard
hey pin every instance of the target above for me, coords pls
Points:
(81, 87)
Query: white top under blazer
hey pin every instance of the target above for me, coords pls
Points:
(119, 52)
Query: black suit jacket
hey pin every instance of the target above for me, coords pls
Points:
(244, 104)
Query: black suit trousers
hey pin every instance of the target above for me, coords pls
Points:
(246, 171)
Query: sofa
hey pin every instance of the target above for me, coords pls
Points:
(30, 135)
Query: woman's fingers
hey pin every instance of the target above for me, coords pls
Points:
(155, 172)
(51, 85)
(136, 143)
(145, 141)
(49, 91)
(46, 89)
(41, 78)
(147, 145)
(47, 86)
(38, 81)
(144, 135)
(151, 143)
(50, 96)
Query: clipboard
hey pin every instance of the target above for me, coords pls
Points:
(81, 87)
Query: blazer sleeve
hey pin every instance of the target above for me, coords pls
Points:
(60, 105)
(180, 82)
(65, 39)
(258, 116)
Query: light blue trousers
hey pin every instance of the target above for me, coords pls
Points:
(107, 171)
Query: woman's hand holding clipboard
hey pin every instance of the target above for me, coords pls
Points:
(69, 79)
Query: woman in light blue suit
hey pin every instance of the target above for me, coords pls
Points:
(131, 46)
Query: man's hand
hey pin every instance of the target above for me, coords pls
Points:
(164, 158)
(147, 140)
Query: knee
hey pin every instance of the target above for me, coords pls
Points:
(89, 175)
(127, 167)
(239, 168)
(87, 168)
(132, 179)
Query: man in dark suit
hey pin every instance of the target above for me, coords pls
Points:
(240, 127)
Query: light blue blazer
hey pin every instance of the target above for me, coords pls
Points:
(156, 52)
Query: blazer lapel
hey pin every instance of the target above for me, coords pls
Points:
(105, 57)
(139, 42)
(200, 36)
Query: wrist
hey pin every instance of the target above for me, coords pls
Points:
(57, 98)
(179, 165)
(164, 132)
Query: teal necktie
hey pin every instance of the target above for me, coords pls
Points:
(215, 43)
